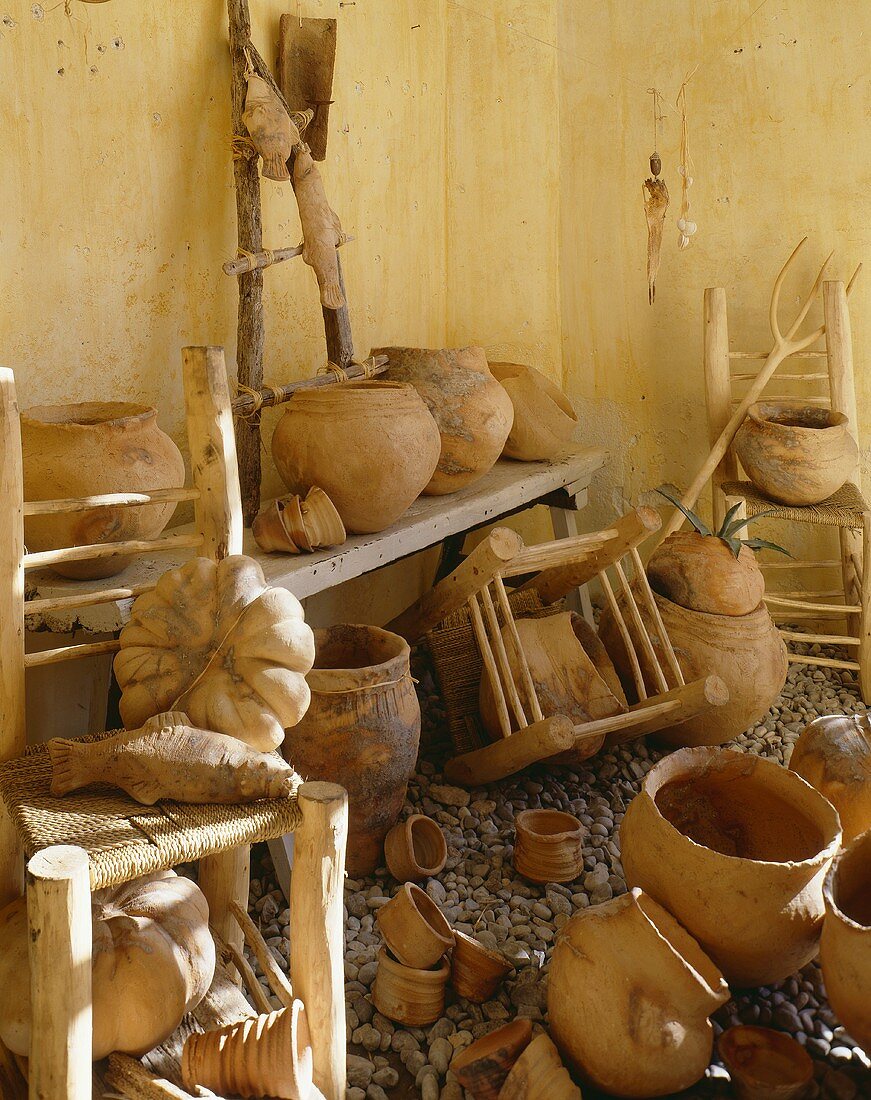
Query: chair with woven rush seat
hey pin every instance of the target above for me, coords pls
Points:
(845, 512)
(100, 837)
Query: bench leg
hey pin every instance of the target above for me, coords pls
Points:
(565, 525)
(224, 878)
(865, 615)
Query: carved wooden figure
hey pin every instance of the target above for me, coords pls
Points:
(321, 228)
(273, 134)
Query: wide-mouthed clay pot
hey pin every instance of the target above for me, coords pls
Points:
(415, 849)
(544, 420)
(538, 1073)
(765, 1064)
(371, 446)
(473, 412)
(90, 449)
(629, 996)
(409, 995)
(845, 947)
(746, 651)
(485, 1064)
(414, 928)
(833, 754)
(361, 730)
(476, 971)
(292, 525)
(736, 847)
(795, 453)
(548, 846)
(700, 573)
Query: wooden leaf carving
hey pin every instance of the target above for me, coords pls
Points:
(214, 641)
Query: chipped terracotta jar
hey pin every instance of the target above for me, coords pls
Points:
(833, 754)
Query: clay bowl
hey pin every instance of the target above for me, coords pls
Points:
(765, 1064)
(475, 970)
(414, 928)
(415, 849)
(292, 525)
(539, 1072)
(548, 846)
(407, 994)
(321, 520)
(483, 1067)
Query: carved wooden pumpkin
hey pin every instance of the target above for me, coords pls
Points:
(154, 960)
(214, 641)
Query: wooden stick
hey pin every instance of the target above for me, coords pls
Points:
(244, 403)
(765, 354)
(108, 549)
(258, 261)
(834, 613)
(804, 399)
(59, 919)
(130, 1077)
(502, 657)
(559, 552)
(718, 390)
(71, 653)
(86, 599)
(279, 983)
(830, 564)
(537, 742)
(864, 621)
(823, 639)
(662, 711)
(83, 504)
(624, 634)
(316, 928)
(526, 675)
(490, 668)
(249, 978)
(653, 610)
(809, 377)
(224, 879)
(823, 662)
(638, 622)
(804, 605)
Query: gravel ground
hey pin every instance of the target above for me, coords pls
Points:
(480, 893)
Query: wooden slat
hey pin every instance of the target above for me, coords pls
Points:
(829, 564)
(653, 610)
(502, 658)
(811, 376)
(823, 662)
(526, 675)
(624, 634)
(638, 622)
(106, 500)
(834, 613)
(765, 354)
(85, 599)
(550, 555)
(71, 653)
(805, 605)
(824, 401)
(822, 639)
(490, 666)
(108, 549)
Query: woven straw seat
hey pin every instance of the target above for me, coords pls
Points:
(123, 838)
(844, 509)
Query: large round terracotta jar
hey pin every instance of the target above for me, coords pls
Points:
(371, 446)
(361, 730)
(89, 449)
(473, 412)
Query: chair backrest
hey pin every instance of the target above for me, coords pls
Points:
(218, 528)
(828, 383)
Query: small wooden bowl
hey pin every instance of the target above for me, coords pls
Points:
(483, 1067)
(548, 846)
(414, 928)
(415, 849)
(409, 995)
(765, 1064)
(539, 1072)
(476, 971)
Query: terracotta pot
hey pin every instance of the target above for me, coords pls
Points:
(293, 525)
(796, 453)
(371, 446)
(765, 1064)
(414, 928)
(415, 849)
(539, 1073)
(485, 1064)
(361, 730)
(544, 420)
(87, 450)
(845, 948)
(548, 846)
(476, 972)
(701, 573)
(736, 847)
(746, 651)
(472, 410)
(833, 754)
(409, 996)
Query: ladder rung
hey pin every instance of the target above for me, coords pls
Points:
(805, 605)
(85, 599)
(820, 639)
(811, 376)
(765, 355)
(826, 401)
(71, 653)
(105, 500)
(823, 662)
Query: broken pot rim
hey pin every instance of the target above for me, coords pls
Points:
(763, 411)
(773, 1040)
(82, 415)
(478, 950)
(853, 851)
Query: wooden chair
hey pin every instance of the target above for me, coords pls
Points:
(90, 840)
(830, 384)
(611, 557)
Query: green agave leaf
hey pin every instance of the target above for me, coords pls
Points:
(734, 545)
(724, 526)
(699, 524)
(739, 523)
(764, 544)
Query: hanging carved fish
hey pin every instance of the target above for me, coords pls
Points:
(272, 132)
(321, 228)
(655, 205)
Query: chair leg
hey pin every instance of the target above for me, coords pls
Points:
(865, 614)
(59, 916)
(223, 878)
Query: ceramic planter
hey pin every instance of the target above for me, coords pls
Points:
(746, 651)
(408, 995)
(87, 450)
(795, 453)
(845, 948)
(484, 1065)
(834, 755)
(371, 446)
(544, 420)
(414, 928)
(548, 846)
(624, 975)
(539, 1073)
(415, 849)
(361, 730)
(736, 847)
(765, 1064)
(476, 972)
(701, 573)
(292, 525)
(473, 412)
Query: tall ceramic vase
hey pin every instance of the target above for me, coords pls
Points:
(89, 449)
(361, 730)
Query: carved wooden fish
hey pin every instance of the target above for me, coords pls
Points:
(272, 132)
(169, 758)
(321, 228)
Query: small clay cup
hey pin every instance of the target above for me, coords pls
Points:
(548, 846)
(414, 928)
(415, 849)
(539, 1072)
(765, 1064)
(483, 1067)
(409, 995)
(476, 971)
